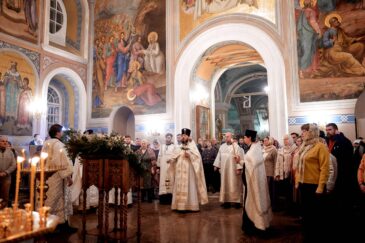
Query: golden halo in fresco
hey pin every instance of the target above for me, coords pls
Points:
(313, 2)
(330, 16)
(152, 34)
(131, 95)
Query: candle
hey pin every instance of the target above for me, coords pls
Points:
(43, 157)
(19, 161)
(23, 153)
(32, 177)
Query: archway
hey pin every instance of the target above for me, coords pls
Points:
(72, 87)
(124, 122)
(360, 115)
(265, 45)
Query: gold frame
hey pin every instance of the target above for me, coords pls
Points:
(202, 118)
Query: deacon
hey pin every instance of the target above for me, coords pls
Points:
(166, 152)
(228, 163)
(256, 200)
(58, 195)
(189, 183)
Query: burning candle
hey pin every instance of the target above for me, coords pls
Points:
(43, 157)
(32, 177)
(23, 153)
(19, 161)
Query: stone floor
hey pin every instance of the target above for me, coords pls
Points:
(212, 224)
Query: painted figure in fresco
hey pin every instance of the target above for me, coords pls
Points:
(30, 12)
(308, 34)
(343, 55)
(213, 6)
(154, 60)
(99, 74)
(137, 52)
(144, 91)
(109, 54)
(2, 99)
(13, 84)
(122, 62)
(25, 98)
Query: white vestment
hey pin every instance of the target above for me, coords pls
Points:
(231, 183)
(189, 183)
(166, 153)
(58, 194)
(257, 204)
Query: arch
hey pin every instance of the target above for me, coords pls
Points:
(123, 121)
(81, 92)
(360, 115)
(235, 85)
(258, 39)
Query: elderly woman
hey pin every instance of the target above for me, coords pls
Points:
(311, 178)
(270, 157)
(284, 165)
(147, 159)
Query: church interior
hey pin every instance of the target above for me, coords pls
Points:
(147, 68)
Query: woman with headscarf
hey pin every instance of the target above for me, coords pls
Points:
(148, 161)
(311, 178)
(284, 165)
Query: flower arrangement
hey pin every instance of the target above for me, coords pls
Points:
(98, 146)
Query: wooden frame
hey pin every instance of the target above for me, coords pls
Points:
(202, 118)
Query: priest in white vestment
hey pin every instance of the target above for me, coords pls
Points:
(165, 154)
(189, 183)
(228, 162)
(58, 194)
(257, 212)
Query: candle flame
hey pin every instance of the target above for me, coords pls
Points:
(61, 150)
(35, 160)
(44, 155)
(23, 150)
(20, 159)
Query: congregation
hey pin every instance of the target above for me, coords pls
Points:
(311, 175)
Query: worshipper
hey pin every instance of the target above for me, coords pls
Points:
(7, 166)
(346, 183)
(283, 168)
(311, 178)
(208, 156)
(189, 183)
(178, 139)
(165, 154)
(37, 140)
(128, 143)
(228, 163)
(294, 136)
(270, 156)
(59, 195)
(147, 160)
(257, 212)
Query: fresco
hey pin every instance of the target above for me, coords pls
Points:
(129, 57)
(19, 18)
(331, 49)
(195, 12)
(17, 83)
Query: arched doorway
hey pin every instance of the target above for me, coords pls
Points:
(124, 122)
(241, 100)
(262, 42)
(360, 116)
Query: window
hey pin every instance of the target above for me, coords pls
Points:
(56, 17)
(54, 107)
(57, 22)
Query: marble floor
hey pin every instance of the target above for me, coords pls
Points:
(213, 224)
